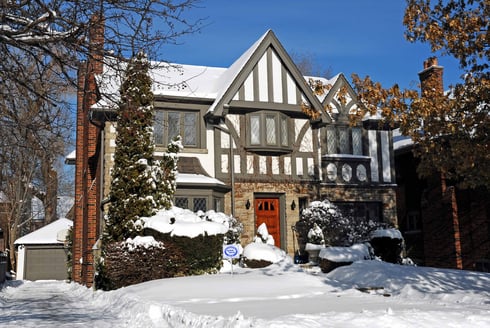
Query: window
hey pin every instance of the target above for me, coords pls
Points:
(361, 211)
(344, 140)
(268, 130)
(199, 203)
(169, 124)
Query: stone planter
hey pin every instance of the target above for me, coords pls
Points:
(313, 251)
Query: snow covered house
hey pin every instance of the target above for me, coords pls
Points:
(258, 144)
(41, 254)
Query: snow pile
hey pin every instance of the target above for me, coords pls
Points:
(417, 283)
(185, 223)
(357, 252)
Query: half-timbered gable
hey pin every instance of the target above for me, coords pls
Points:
(357, 159)
(260, 107)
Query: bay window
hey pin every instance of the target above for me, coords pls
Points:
(268, 131)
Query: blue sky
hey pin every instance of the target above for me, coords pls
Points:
(349, 36)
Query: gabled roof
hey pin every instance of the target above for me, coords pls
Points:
(241, 70)
(340, 81)
(53, 233)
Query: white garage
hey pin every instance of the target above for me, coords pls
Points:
(41, 255)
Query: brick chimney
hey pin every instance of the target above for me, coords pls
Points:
(87, 165)
(431, 76)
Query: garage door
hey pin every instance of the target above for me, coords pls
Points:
(45, 263)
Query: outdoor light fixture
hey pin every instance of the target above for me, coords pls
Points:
(293, 205)
(247, 204)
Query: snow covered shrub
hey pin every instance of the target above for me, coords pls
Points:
(199, 235)
(263, 236)
(200, 254)
(338, 229)
(261, 252)
(387, 244)
(234, 226)
(315, 235)
(138, 260)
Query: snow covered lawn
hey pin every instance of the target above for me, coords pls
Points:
(281, 295)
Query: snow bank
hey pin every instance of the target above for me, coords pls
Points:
(357, 252)
(265, 252)
(185, 223)
(417, 283)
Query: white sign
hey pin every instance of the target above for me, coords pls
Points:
(231, 251)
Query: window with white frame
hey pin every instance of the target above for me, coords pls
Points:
(169, 124)
(268, 130)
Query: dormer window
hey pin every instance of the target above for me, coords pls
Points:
(268, 131)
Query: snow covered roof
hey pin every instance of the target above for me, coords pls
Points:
(193, 81)
(232, 72)
(200, 179)
(53, 233)
(71, 157)
(400, 141)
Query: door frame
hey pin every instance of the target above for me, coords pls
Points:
(282, 214)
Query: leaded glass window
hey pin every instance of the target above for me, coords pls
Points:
(343, 141)
(255, 129)
(284, 131)
(199, 204)
(270, 128)
(356, 141)
(331, 140)
(182, 202)
(190, 122)
(169, 124)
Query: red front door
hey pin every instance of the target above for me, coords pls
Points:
(267, 211)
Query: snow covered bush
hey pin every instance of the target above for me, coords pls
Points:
(263, 236)
(338, 229)
(138, 260)
(235, 227)
(200, 236)
(261, 252)
(315, 235)
(387, 244)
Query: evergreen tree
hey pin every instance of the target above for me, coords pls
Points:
(140, 184)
